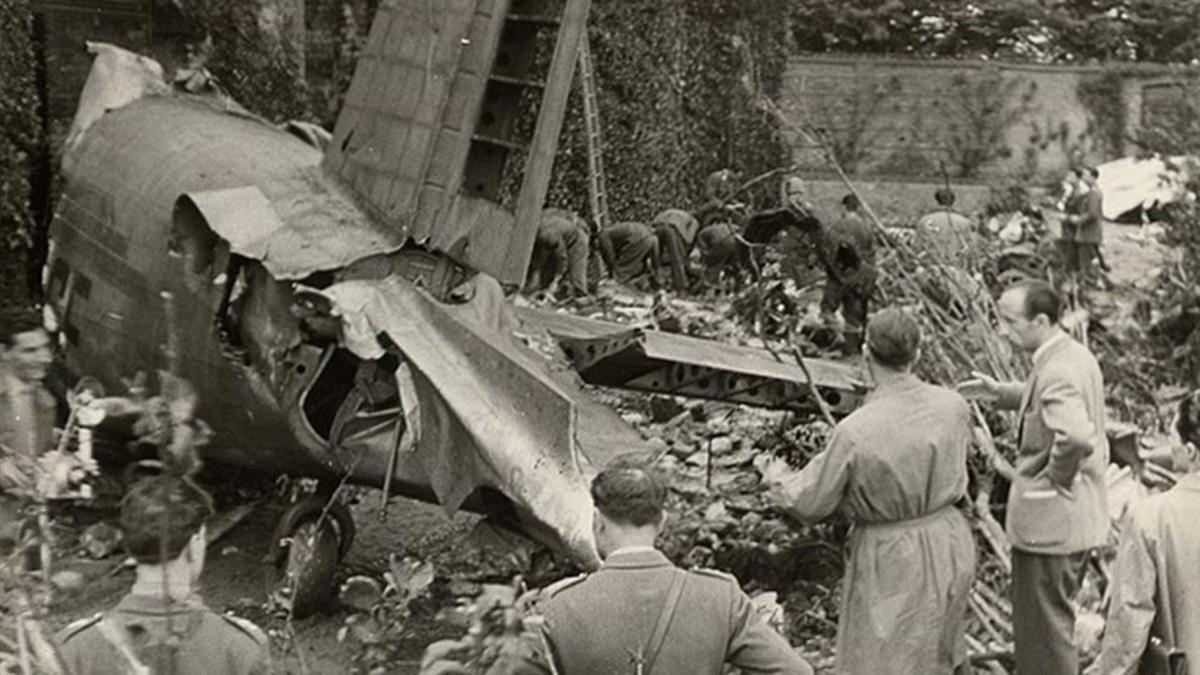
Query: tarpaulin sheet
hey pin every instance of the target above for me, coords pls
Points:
(492, 412)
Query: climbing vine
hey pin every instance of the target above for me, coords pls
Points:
(669, 78)
(20, 140)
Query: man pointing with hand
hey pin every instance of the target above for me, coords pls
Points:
(1057, 509)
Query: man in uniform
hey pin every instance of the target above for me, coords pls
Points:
(945, 230)
(639, 613)
(676, 232)
(846, 251)
(161, 626)
(560, 251)
(898, 467)
(629, 249)
(28, 413)
(1057, 505)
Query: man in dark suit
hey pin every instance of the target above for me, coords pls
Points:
(1057, 506)
(1085, 219)
(639, 614)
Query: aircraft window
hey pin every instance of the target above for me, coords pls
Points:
(56, 287)
(82, 287)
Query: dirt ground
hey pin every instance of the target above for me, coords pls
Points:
(237, 578)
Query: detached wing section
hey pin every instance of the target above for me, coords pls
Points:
(491, 413)
(451, 123)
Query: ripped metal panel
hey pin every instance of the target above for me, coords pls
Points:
(492, 413)
(307, 227)
(615, 355)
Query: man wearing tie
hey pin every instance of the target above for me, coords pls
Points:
(1057, 508)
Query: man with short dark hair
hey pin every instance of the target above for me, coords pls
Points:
(28, 413)
(1057, 505)
(161, 626)
(897, 467)
(639, 613)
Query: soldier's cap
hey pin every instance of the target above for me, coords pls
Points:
(160, 515)
(893, 337)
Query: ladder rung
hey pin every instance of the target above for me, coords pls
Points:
(509, 145)
(517, 81)
(539, 19)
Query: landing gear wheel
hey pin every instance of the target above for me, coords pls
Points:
(306, 556)
(308, 570)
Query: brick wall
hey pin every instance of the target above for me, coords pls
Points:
(905, 117)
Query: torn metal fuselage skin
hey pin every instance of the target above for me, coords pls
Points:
(234, 218)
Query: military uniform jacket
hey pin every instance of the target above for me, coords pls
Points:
(1058, 503)
(197, 640)
(595, 625)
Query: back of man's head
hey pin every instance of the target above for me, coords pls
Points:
(1040, 298)
(850, 203)
(944, 196)
(630, 492)
(893, 338)
(160, 515)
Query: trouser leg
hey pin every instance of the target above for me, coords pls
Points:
(831, 300)
(854, 313)
(539, 273)
(670, 244)
(1070, 256)
(1043, 588)
(1085, 253)
(577, 261)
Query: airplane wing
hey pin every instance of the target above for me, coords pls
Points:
(492, 412)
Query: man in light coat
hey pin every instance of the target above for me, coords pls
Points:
(1154, 593)
(898, 468)
(1057, 507)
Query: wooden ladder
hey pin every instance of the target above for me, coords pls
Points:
(597, 187)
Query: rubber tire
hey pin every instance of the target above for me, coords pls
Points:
(314, 576)
(309, 508)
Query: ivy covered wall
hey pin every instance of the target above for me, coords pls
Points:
(20, 145)
(668, 75)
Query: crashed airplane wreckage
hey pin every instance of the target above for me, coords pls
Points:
(341, 313)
